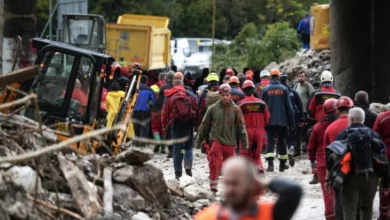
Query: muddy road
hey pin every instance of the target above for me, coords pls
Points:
(311, 207)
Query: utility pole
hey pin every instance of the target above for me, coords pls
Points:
(50, 20)
(213, 32)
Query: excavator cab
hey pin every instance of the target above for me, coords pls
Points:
(69, 88)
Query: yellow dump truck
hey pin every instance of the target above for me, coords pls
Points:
(140, 39)
(320, 28)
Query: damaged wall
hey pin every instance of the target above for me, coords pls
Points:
(17, 17)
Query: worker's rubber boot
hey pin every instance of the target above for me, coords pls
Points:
(282, 165)
(315, 180)
(177, 175)
(170, 151)
(188, 168)
(156, 149)
(189, 172)
(270, 166)
(163, 149)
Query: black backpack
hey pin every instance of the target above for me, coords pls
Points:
(359, 143)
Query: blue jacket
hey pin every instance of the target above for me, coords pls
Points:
(279, 104)
(304, 26)
(237, 95)
(145, 98)
(296, 103)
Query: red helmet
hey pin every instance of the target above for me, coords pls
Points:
(225, 88)
(234, 79)
(248, 83)
(125, 71)
(249, 76)
(330, 106)
(344, 101)
(229, 72)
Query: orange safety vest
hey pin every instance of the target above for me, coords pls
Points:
(217, 212)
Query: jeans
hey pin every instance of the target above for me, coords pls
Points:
(357, 189)
(274, 132)
(181, 130)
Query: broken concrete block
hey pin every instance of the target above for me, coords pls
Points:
(25, 176)
(127, 198)
(141, 216)
(195, 192)
(186, 181)
(135, 156)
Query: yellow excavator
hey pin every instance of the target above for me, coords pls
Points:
(69, 85)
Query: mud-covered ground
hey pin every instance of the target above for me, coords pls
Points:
(311, 207)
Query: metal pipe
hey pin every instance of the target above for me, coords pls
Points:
(47, 23)
(50, 20)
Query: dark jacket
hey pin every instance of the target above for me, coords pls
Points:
(279, 104)
(237, 95)
(370, 116)
(296, 103)
(145, 99)
(316, 101)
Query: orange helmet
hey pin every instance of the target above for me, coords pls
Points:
(344, 101)
(234, 79)
(248, 83)
(229, 72)
(250, 72)
(178, 75)
(275, 72)
(225, 88)
(249, 76)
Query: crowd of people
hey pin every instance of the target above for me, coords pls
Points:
(347, 144)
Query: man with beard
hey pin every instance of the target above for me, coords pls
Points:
(242, 189)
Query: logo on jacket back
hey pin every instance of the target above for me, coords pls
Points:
(275, 92)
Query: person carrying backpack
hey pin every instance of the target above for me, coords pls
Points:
(363, 162)
(179, 114)
(228, 125)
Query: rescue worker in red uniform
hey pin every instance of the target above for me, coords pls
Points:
(237, 94)
(264, 81)
(256, 118)
(316, 150)
(228, 126)
(242, 187)
(331, 132)
(382, 127)
(156, 114)
(317, 99)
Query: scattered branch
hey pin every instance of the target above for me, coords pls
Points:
(108, 190)
(59, 146)
(56, 208)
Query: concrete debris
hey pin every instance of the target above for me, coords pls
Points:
(186, 181)
(141, 216)
(135, 156)
(99, 187)
(313, 62)
(195, 192)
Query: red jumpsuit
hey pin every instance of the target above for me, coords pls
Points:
(156, 116)
(382, 127)
(334, 129)
(316, 150)
(256, 117)
(315, 105)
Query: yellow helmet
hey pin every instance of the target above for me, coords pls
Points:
(212, 77)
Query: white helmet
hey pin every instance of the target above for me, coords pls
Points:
(264, 73)
(326, 76)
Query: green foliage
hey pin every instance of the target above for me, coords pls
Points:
(193, 18)
(250, 49)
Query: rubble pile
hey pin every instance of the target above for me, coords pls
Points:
(379, 107)
(63, 185)
(313, 62)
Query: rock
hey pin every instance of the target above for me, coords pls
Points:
(25, 176)
(379, 107)
(195, 192)
(186, 181)
(135, 156)
(204, 202)
(156, 216)
(126, 198)
(175, 189)
(147, 180)
(141, 216)
(272, 66)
